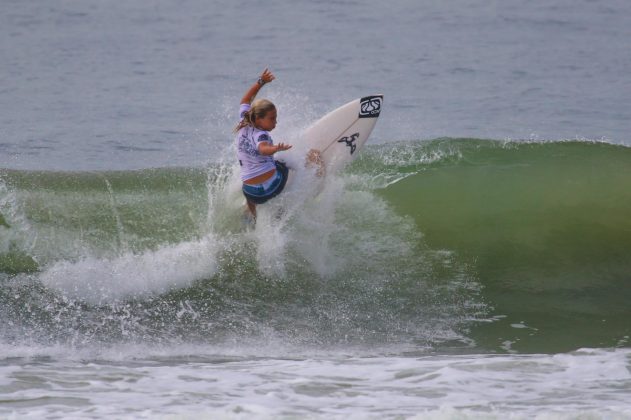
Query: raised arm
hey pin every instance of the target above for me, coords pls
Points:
(265, 77)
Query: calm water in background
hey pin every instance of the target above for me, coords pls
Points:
(92, 85)
(438, 278)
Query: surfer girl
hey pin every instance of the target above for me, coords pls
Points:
(263, 177)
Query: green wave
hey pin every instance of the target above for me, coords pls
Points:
(546, 226)
(515, 245)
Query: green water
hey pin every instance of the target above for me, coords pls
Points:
(451, 243)
(547, 229)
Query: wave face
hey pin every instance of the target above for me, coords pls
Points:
(445, 244)
(545, 228)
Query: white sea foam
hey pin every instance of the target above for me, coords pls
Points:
(102, 280)
(183, 382)
(16, 232)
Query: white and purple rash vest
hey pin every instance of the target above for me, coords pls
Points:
(252, 162)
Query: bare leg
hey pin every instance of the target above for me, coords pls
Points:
(252, 208)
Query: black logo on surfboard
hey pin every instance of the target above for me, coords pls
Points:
(350, 141)
(370, 107)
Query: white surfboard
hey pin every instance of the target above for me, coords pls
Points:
(340, 134)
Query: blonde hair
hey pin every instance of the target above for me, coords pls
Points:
(259, 109)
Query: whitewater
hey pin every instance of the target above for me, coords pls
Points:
(473, 262)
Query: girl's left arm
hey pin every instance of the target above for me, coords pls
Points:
(267, 149)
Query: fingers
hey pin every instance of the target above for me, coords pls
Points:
(267, 76)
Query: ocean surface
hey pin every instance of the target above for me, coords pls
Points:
(474, 262)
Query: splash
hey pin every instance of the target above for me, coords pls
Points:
(163, 255)
(133, 276)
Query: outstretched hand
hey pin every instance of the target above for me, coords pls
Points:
(267, 76)
(267, 149)
(282, 146)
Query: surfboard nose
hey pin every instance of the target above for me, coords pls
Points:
(340, 134)
(370, 106)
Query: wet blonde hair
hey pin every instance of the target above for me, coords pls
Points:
(258, 109)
